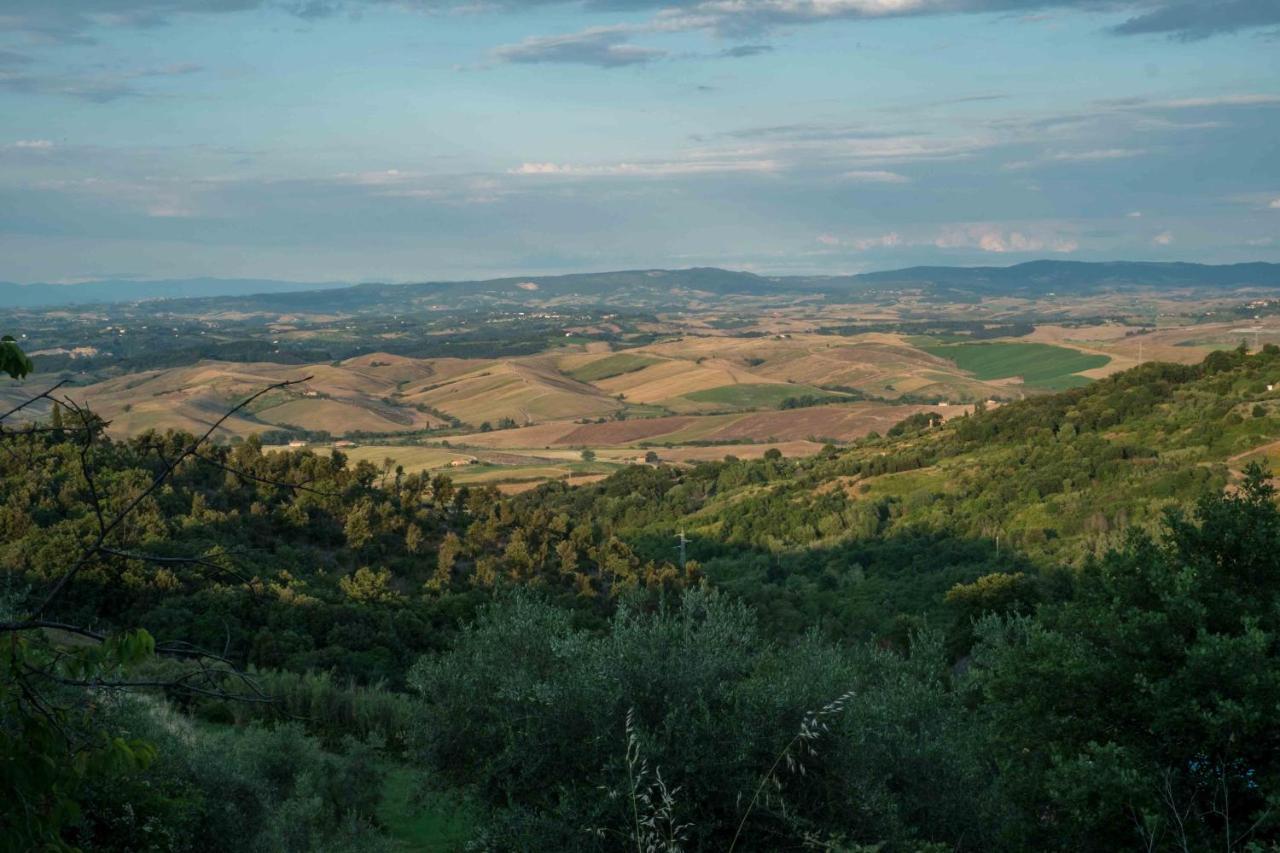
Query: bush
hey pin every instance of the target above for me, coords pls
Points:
(237, 790)
(524, 699)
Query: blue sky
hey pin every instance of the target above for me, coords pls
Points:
(375, 139)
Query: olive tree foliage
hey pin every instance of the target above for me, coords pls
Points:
(1144, 712)
(685, 726)
(55, 674)
(220, 789)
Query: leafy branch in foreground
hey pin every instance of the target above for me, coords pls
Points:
(13, 360)
(55, 674)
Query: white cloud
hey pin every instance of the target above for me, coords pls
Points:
(34, 144)
(989, 238)
(862, 244)
(1248, 100)
(1097, 154)
(886, 241)
(647, 169)
(875, 177)
(1094, 155)
(1134, 214)
(1275, 204)
(1164, 238)
(603, 47)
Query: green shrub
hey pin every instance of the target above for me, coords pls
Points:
(533, 716)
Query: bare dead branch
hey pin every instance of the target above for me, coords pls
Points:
(41, 396)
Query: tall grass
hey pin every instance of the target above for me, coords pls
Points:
(330, 709)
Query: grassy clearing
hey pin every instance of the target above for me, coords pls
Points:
(644, 410)
(1040, 365)
(753, 396)
(433, 824)
(414, 458)
(611, 365)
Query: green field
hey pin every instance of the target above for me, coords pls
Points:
(754, 395)
(431, 823)
(1040, 365)
(611, 365)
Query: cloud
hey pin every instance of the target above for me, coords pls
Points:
(97, 89)
(859, 176)
(744, 50)
(1134, 214)
(988, 238)
(1181, 19)
(603, 47)
(1191, 20)
(1096, 154)
(33, 144)
(813, 131)
(71, 20)
(97, 86)
(179, 69)
(1232, 100)
(646, 169)
(982, 237)
(862, 244)
(1164, 238)
(76, 20)
(1090, 156)
(9, 59)
(1275, 204)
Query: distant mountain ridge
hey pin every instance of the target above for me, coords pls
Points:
(121, 290)
(1044, 277)
(645, 288)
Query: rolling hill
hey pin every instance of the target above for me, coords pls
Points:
(122, 290)
(646, 288)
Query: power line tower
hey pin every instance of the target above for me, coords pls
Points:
(683, 541)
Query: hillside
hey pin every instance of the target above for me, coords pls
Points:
(1066, 278)
(125, 290)
(389, 394)
(652, 288)
(297, 563)
(1055, 479)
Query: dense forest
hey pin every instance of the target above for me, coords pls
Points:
(1051, 625)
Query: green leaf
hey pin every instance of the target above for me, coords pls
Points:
(13, 360)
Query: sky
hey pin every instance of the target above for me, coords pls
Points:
(411, 140)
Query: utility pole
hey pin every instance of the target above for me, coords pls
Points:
(683, 541)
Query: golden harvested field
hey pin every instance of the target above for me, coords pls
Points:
(881, 364)
(669, 379)
(841, 423)
(340, 417)
(1181, 344)
(510, 389)
(721, 386)
(334, 399)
